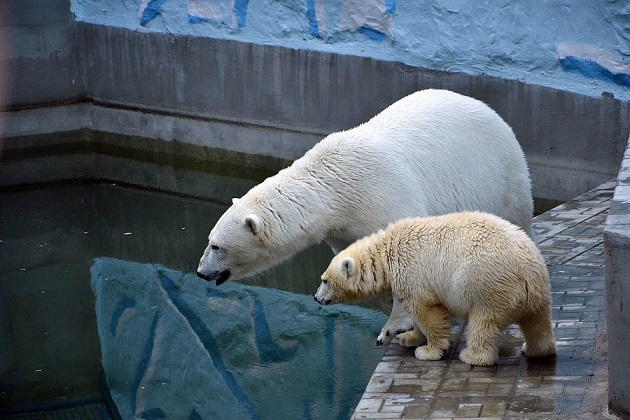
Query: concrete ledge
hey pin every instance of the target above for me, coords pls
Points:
(554, 176)
(617, 254)
(155, 124)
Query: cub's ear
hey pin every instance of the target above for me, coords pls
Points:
(235, 200)
(253, 222)
(347, 266)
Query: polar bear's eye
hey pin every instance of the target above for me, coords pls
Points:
(324, 281)
(214, 246)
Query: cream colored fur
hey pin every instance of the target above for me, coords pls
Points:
(473, 265)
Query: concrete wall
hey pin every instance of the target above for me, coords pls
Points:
(269, 99)
(617, 253)
(278, 102)
(39, 53)
(579, 46)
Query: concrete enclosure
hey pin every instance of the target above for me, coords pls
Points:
(269, 100)
(61, 78)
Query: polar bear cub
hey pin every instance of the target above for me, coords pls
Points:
(474, 265)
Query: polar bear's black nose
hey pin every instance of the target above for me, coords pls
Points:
(220, 276)
(322, 301)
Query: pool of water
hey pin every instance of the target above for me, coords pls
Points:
(96, 277)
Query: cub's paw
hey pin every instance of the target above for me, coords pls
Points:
(478, 359)
(413, 338)
(429, 353)
(540, 349)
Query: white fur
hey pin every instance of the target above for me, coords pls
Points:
(432, 152)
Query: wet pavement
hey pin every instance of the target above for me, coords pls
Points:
(573, 384)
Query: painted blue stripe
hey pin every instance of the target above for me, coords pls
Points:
(306, 414)
(152, 414)
(151, 11)
(194, 415)
(390, 7)
(197, 19)
(373, 34)
(240, 8)
(313, 28)
(209, 342)
(144, 363)
(268, 351)
(593, 70)
(123, 304)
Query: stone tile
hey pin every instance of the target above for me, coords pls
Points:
(500, 389)
(468, 410)
(420, 408)
(369, 405)
(358, 415)
(491, 409)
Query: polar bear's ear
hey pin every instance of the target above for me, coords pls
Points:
(347, 266)
(253, 222)
(235, 200)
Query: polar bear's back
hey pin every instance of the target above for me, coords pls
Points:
(432, 152)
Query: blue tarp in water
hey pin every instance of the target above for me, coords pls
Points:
(174, 346)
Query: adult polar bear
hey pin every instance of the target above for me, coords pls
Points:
(432, 152)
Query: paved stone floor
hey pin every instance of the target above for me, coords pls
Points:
(571, 385)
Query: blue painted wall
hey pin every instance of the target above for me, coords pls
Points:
(582, 46)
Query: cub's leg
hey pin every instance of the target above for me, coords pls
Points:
(434, 321)
(538, 332)
(482, 347)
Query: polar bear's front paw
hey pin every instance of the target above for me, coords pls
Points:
(396, 330)
(413, 338)
(387, 334)
(429, 353)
